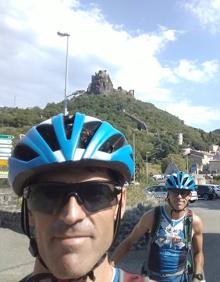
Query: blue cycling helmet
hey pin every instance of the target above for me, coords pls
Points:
(180, 180)
(68, 142)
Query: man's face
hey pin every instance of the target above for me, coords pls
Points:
(72, 240)
(179, 198)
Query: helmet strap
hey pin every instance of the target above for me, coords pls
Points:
(118, 218)
(25, 218)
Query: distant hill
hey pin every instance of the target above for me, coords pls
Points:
(153, 132)
(216, 131)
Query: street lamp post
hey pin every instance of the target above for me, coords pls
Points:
(67, 35)
(187, 163)
(147, 167)
(134, 153)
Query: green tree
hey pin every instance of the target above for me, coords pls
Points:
(178, 159)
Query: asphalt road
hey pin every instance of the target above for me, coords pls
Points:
(209, 211)
(16, 261)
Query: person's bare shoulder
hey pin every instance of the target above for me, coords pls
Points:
(147, 220)
(197, 223)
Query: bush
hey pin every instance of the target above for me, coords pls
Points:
(136, 195)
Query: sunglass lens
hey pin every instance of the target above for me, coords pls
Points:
(45, 198)
(182, 192)
(96, 196)
(185, 193)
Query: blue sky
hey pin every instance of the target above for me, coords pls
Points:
(167, 51)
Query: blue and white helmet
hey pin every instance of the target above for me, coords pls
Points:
(180, 180)
(68, 142)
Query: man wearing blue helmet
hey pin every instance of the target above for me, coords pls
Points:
(70, 172)
(173, 231)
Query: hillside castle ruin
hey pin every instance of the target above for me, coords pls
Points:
(101, 84)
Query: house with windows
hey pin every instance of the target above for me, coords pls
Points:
(203, 161)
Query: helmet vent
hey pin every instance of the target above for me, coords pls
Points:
(184, 181)
(49, 135)
(190, 183)
(175, 179)
(24, 153)
(88, 132)
(169, 182)
(68, 124)
(113, 143)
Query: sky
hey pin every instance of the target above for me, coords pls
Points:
(167, 51)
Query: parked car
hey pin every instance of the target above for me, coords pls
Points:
(194, 196)
(160, 192)
(206, 192)
(158, 177)
(157, 191)
(217, 190)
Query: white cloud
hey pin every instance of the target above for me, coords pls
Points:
(94, 44)
(192, 71)
(194, 115)
(207, 11)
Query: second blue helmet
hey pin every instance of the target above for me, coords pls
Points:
(180, 180)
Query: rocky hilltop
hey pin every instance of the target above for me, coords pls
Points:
(101, 84)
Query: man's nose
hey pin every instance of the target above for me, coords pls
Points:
(179, 195)
(72, 211)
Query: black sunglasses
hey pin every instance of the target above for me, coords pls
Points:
(51, 197)
(182, 192)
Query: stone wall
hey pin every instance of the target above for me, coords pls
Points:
(8, 200)
(9, 210)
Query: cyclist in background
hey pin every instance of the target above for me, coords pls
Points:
(70, 172)
(169, 244)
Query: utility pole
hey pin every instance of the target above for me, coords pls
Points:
(147, 167)
(67, 35)
(187, 163)
(134, 156)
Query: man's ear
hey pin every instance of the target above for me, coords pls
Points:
(30, 218)
(31, 222)
(190, 195)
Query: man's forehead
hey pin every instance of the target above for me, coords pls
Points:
(75, 175)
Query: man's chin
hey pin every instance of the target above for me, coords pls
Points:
(180, 206)
(71, 266)
(69, 269)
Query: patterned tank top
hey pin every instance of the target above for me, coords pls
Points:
(168, 251)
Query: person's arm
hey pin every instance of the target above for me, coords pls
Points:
(197, 242)
(144, 225)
